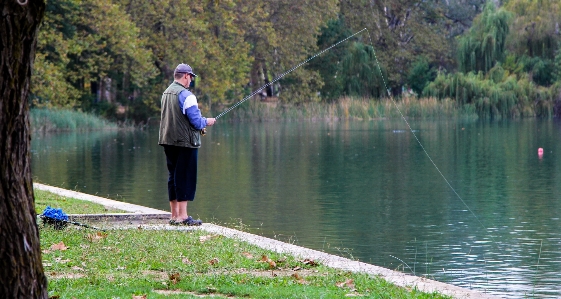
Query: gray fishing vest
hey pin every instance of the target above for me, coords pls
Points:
(175, 128)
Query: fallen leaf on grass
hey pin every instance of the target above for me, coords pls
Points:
(348, 283)
(266, 259)
(139, 296)
(59, 246)
(186, 261)
(214, 261)
(96, 237)
(299, 278)
(272, 264)
(54, 297)
(174, 278)
(247, 254)
(309, 262)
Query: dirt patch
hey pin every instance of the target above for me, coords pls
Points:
(178, 292)
(274, 272)
(156, 275)
(54, 275)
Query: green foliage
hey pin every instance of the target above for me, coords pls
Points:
(329, 63)
(459, 14)
(485, 43)
(498, 94)
(96, 55)
(539, 69)
(81, 43)
(420, 75)
(400, 31)
(296, 28)
(535, 28)
(360, 74)
(557, 66)
(350, 69)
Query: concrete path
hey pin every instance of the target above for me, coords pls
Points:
(157, 219)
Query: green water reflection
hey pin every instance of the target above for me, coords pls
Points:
(486, 217)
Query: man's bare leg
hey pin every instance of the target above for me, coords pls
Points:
(173, 205)
(181, 210)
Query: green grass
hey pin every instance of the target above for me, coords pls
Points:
(45, 120)
(121, 263)
(183, 264)
(68, 205)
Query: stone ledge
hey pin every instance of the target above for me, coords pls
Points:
(123, 206)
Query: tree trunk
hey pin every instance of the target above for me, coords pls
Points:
(21, 269)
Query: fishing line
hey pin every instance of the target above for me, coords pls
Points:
(286, 73)
(416, 138)
(389, 95)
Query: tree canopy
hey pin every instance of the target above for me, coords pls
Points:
(95, 54)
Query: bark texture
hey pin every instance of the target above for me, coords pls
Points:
(21, 269)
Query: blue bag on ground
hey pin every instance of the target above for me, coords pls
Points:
(55, 217)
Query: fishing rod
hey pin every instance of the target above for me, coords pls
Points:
(61, 223)
(284, 74)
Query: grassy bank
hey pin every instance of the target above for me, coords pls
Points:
(45, 120)
(349, 108)
(68, 205)
(141, 263)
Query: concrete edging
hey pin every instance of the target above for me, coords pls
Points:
(333, 261)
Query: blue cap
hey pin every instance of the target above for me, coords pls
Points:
(185, 69)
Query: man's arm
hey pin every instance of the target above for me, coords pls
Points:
(190, 108)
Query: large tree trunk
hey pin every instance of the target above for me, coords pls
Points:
(21, 270)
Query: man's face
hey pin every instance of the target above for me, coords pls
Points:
(189, 79)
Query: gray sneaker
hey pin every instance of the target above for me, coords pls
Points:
(190, 222)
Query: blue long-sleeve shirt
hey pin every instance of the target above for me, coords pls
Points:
(190, 108)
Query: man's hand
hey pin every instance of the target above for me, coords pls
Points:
(210, 121)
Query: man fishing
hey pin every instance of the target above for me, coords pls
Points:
(180, 135)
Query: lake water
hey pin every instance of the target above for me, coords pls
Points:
(486, 217)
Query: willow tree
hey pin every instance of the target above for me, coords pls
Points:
(360, 74)
(485, 43)
(401, 31)
(536, 28)
(21, 269)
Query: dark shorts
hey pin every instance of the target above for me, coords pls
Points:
(182, 169)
